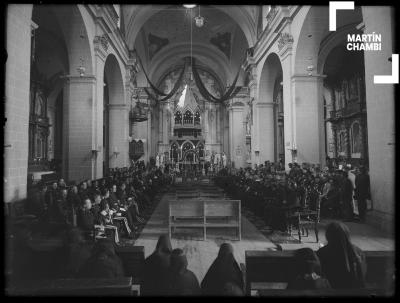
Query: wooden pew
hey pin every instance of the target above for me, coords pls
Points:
(132, 258)
(223, 214)
(199, 213)
(188, 214)
(74, 287)
(322, 293)
(277, 267)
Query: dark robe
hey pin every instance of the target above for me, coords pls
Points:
(155, 272)
(347, 198)
(333, 265)
(362, 193)
(104, 263)
(74, 200)
(223, 270)
(122, 196)
(181, 281)
(86, 219)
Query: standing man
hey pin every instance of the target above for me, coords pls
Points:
(362, 192)
(347, 197)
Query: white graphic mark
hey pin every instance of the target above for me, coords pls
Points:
(392, 79)
(333, 7)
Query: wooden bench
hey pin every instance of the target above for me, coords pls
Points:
(132, 258)
(198, 213)
(277, 267)
(322, 293)
(74, 287)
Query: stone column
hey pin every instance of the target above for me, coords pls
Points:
(160, 128)
(254, 97)
(119, 133)
(285, 53)
(237, 133)
(309, 121)
(18, 65)
(100, 58)
(380, 117)
(264, 112)
(206, 127)
(79, 136)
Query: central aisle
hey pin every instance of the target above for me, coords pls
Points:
(200, 253)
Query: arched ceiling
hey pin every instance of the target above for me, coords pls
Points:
(159, 32)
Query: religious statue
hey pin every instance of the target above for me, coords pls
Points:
(157, 161)
(162, 160)
(218, 159)
(224, 160)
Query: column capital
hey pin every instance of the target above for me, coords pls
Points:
(118, 106)
(100, 43)
(285, 43)
(264, 104)
(236, 106)
(89, 79)
(307, 78)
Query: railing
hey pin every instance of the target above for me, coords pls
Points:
(351, 109)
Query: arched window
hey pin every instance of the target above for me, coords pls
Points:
(188, 117)
(178, 117)
(187, 146)
(197, 118)
(355, 138)
(342, 143)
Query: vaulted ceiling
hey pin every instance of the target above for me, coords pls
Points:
(161, 35)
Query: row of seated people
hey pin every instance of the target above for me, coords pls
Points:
(337, 265)
(299, 187)
(119, 199)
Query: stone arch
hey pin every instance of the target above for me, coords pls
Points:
(314, 32)
(114, 77)
(116, 132)
(265, 112)
(77, 36)
(140, 14)
(271, 69)
(204, 54)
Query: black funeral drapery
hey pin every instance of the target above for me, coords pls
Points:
(157, 91)
(172, 92)
(229, 94)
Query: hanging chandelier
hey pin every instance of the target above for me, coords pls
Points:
(199, 20)
(189, 6)
(139, 112)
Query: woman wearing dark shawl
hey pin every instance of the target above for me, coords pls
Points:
(103, 264)
(156, 268)
(181, 281)
(76, 252)
(308, 271)
(342, 262)
(223, 270)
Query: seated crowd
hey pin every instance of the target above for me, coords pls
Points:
(337, 265)
(121, 201)
(268, 186)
